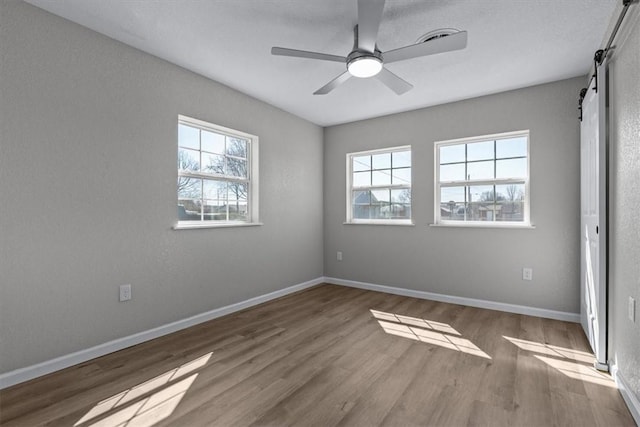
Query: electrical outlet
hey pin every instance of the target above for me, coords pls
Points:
(339, 256)
(632, 309)
(527, 273)
(125, 292)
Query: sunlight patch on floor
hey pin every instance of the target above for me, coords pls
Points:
(414, 321)
(151, 410)
(578, 371)
(166, 396)
(436, 333)
(552, 350)
(575, 364)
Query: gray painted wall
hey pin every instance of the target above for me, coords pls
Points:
(468, 262)
(88, 192)
(624, 200)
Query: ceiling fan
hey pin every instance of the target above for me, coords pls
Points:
(365, 60)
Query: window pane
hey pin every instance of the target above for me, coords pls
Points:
(189, 198)
(212, 142)
(456, 194)
(188, 160)
(188, 137)
(361, 211)
(475, 192)
(512, 147)
(401, 196)
(238, 191)
(212, 163)
(361, 197)
(481, 206)
(480, 170)
(213, 189)
(400, 204)
(512, 168)
(361, 204)
(236, 167)
(236, 147)
(380, 210)
(380, 197)
(401, 211)
(452, 153)
(362, 179)
(453, 172)
(401, 176)
(361, 163)
(237, 210)
(214, 210)
(188, 210)
(189, 188)
(511, 201)
(487, 195)
(480, 151)
(452, 203)
(382, 177)
(381, 161)
(401, 159)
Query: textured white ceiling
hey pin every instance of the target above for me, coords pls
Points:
(512, 44)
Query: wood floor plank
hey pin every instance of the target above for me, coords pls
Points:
(452, 407)
(375, 403)
(416, 405)
(332, 355)
(484, 414)
(329, 409)
(293, 407)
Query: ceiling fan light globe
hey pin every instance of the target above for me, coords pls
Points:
(363, 67)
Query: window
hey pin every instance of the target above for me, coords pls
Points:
(379, 186)
(483, 180)
(217, 175)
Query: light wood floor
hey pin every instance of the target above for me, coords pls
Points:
(330, 356)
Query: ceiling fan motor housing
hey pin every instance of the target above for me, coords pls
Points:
(364, 64)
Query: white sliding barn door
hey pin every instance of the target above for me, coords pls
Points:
(593, 170)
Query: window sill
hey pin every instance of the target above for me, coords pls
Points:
(485, 225)
(391, 222)
(183, 226)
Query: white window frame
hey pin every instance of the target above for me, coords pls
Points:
(525, 223)
(251, 180)
(350, 188)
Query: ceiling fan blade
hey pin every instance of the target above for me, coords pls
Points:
(455, 41)
(369, 16)
(283, 51)
(333, 84)
(393, 82)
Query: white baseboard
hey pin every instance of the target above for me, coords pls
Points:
(30, 372)
(632, 401)
(491, 305)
